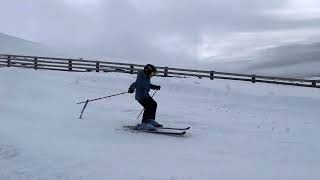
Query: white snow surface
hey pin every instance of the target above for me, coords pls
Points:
(14, 45)
(238, 130)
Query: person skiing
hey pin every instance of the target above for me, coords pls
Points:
(142, 86)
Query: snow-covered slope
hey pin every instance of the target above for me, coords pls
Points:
(239, 130)
(13, 45)
(295, 60)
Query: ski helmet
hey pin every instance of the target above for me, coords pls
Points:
(149, 68)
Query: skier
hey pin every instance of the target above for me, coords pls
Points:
(143, 86)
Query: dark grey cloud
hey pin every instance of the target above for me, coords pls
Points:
(164, 31)
(293, 60)
(297, 60)
(289, 54)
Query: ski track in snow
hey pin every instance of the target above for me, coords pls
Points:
(238, 130)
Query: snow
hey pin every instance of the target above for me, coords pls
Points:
(14, 45)
(239, 130)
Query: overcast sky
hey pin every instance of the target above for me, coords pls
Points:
(163, 30)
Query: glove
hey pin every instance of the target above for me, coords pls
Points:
(130, 90)
(157, 87)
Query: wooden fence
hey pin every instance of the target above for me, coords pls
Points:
(80, 65)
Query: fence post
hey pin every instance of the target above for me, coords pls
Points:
(9, 61)
(314, 83)
(97, 67)
(70, 65)
(211, 75)
(253, 78)
(166, 71)
(35, 61)
(131, 69)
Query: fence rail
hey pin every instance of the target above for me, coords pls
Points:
(80, 65)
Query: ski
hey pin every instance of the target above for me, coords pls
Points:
(167, 128)
(173, 133)
(162, 132)
(173, 128)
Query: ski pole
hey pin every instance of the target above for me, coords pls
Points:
(85, 105)
(143, 108)
(90, 100)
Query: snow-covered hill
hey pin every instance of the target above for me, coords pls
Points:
(239, 130)
(299, 60)
(14, 45)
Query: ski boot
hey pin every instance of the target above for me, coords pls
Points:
(155, 123)
(145, 127)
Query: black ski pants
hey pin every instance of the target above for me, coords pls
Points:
(150, 109)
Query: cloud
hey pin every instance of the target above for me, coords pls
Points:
(290, 54)
(291, 60)
(160, 31)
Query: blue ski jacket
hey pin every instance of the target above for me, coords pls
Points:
(142, 86)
